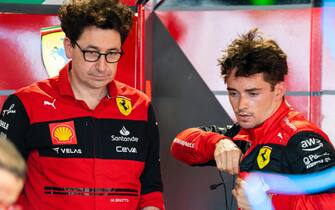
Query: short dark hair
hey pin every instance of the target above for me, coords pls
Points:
(250, 54)
(76, 15)
(10, 159)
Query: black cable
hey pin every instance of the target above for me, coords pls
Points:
(214, 186)
(158, 4)
(232, 198)
(225, 191)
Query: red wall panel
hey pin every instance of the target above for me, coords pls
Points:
(202, 35)
(327, 118)
(21, 57)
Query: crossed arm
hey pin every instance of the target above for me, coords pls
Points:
(199, 147)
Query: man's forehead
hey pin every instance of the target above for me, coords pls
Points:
(251, 83)
(100, 38)
(255, 78)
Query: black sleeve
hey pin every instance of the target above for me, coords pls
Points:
(151, 177)
(229, 131)
(308, 152)
(14, 122)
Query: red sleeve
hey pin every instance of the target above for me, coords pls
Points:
(324, 201)
(195, 146)
(152, 199)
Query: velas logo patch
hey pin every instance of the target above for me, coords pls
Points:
(124, 105)
(63, 133)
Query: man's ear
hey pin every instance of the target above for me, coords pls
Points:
(280, 89)
(68, 47)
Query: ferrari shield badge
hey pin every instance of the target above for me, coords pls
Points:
(124, 105)
(263, 157)
(53, 53)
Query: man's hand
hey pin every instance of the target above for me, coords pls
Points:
(150, 208)
(227, 156)
(238, 192)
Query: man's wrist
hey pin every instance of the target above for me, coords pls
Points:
(226, 142)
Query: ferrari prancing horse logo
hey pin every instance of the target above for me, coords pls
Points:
(263, 157)
(53, 52)
(124, 105)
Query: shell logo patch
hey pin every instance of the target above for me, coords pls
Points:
(63, 133)
(263, 157)
(124, 105)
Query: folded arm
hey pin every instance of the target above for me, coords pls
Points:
(211, 145)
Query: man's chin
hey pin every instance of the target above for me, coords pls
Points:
(246, 125)
(99, 84)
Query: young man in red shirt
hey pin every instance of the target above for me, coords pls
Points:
(269, 136)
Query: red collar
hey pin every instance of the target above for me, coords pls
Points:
(65, 88)
(267, 127)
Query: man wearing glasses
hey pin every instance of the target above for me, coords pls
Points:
(90, 142)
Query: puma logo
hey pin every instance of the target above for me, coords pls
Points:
(48, 103)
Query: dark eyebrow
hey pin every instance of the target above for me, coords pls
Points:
(253, 89)
(247, 90)
(97, 48)
(231, 89)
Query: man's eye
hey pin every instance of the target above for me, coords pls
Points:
(92, 53)
(232, 93)
(113, 53)
(254, 94)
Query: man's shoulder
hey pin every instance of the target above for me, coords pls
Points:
(131, 92)
(43, 87)
(295, 122)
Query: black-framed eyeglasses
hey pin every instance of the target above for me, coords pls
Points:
(93, 56)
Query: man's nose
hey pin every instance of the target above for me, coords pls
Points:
(243, 103)
(101, 63)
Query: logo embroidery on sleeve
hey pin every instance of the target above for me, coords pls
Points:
(311, 144)
(10, 110)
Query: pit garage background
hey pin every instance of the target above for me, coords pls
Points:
(171, 55)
